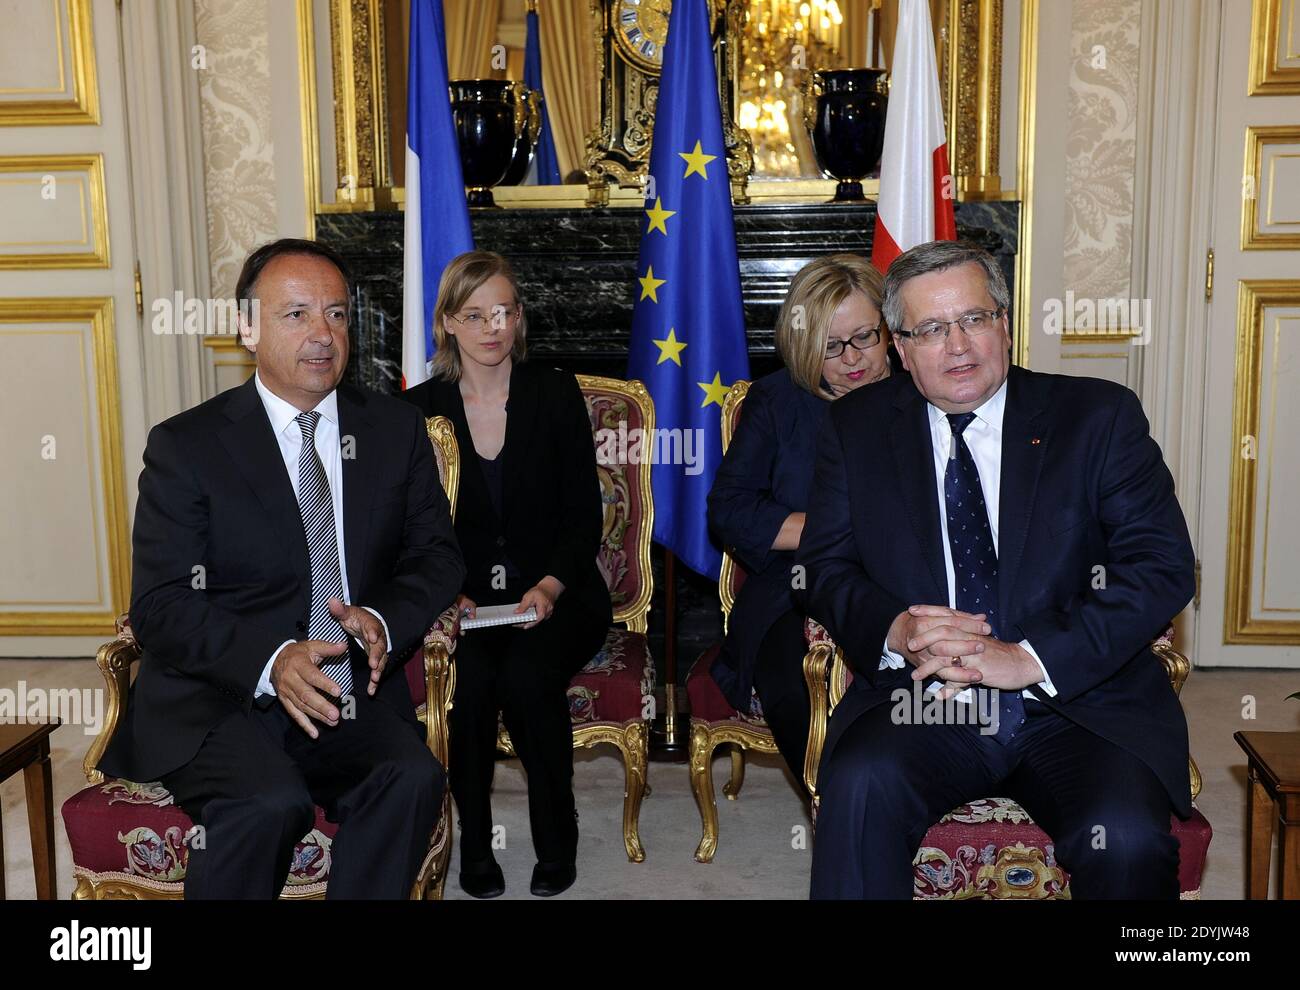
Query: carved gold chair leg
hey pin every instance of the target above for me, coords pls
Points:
(432, 879)
(816, 669)
(701, 756)
(636, 754)
(633, 742)
(732, 787)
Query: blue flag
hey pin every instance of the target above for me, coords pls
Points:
(437, 216)
(688, 327)
(546, 169)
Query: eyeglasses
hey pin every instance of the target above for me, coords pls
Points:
(932, 332)
(476, 320)
(861, 342)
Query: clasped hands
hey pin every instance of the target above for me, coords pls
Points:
(959, 649)
(302, 686)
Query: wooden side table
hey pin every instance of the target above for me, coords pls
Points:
(27, 748)
(1274, 771)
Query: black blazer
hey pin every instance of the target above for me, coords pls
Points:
(1082, 484)
(215, 493)
(766, 475)
(551, 503)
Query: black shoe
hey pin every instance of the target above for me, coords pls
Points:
(549, 880)
(483, 879)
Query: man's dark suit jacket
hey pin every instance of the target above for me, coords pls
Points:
(1083, 485)
(221, 572)
(551, 499)
(765, 475)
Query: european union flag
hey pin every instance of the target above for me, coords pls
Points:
(688, 327)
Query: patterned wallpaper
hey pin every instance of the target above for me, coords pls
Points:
(1101, 147)
(238, 150)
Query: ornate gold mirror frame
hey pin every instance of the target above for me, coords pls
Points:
(970, 44)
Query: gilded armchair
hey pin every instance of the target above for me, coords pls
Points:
(129, 840)
(990, 848)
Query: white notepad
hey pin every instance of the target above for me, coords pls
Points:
(498, 615)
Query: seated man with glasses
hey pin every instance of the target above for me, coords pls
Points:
(1008, 543)
(830, 335)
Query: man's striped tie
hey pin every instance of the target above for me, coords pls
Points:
(317, 507)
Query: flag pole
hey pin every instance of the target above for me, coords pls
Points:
(669, 733)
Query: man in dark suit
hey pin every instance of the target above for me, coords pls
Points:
(292, 543)
(1007, 544)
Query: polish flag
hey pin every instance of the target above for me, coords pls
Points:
(914, 174)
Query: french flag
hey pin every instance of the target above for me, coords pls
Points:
(437, 217)
(914, 175)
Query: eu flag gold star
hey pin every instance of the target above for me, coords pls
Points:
(714, 391)
(649, 284)
(696, 161)
(657, 217)
(670, 349)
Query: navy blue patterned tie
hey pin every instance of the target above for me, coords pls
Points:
(317, 506)
(974, 559)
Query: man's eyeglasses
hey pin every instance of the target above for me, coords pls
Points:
(476, 320)
(861, 342)
(931, 332)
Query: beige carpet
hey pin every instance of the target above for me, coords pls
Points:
(762, 850)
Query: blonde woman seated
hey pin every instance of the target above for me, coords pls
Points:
(831, 337)
(528, 522)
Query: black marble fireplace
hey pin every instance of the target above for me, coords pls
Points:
(577, 269)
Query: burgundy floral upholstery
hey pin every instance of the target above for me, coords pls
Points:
(706, 698)
(992, 849)
(137, 832)
(624, 501)
(614, 684)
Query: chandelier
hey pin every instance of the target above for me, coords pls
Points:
(784, 41)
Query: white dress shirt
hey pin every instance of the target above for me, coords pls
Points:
(983, 437)
(284, 423)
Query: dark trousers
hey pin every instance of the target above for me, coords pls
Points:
(778, 679)
(884, 785)
(254, 783)
(524, 675)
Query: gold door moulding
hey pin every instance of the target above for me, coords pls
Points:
(360, 110)
(35, 167)
(1258, 139)
(1106, 333)
(98, 313)
(972, 83)
(81, 105)
(1240, 626)
(1026, 130)
(1270, 48)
